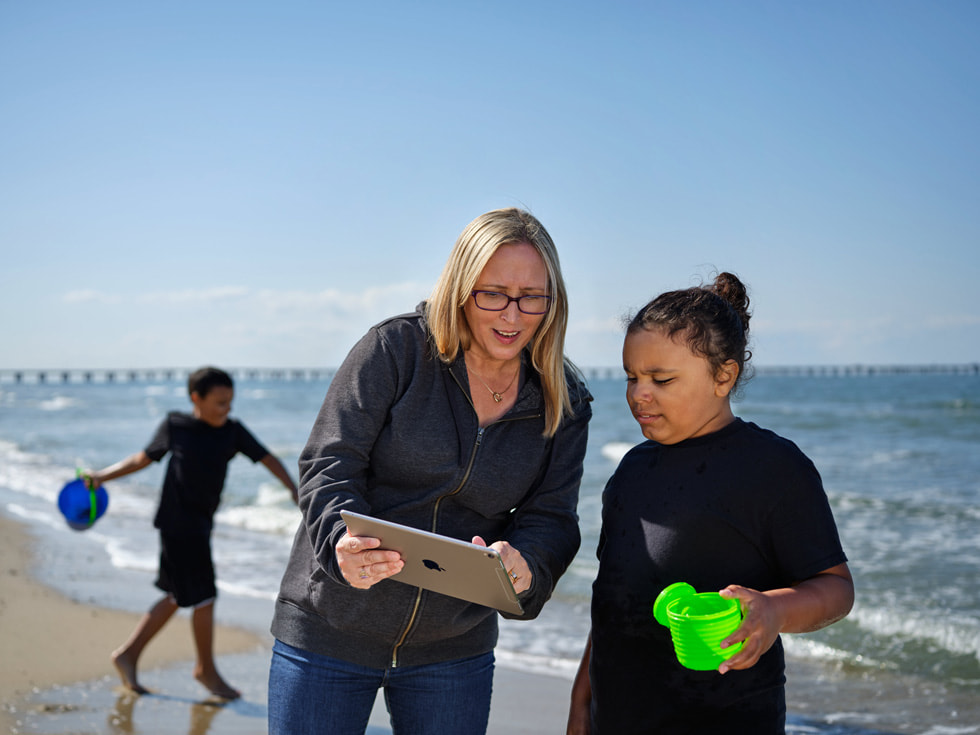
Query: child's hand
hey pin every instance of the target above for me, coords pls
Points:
(759, 629)
(809, 605)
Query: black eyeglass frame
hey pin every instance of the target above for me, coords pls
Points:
(516, 299)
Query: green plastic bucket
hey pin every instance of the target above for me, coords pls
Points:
(698, 623)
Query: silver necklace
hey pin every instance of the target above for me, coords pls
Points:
(498, 397)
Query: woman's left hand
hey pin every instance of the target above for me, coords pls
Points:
(362, 563)
(517, 568)
(759, 629)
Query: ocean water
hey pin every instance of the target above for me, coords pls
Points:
(899, 455)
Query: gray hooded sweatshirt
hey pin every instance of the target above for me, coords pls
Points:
(398, 438)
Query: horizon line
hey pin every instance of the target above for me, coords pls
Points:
(53, 376)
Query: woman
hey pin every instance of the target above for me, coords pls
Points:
(463, 418)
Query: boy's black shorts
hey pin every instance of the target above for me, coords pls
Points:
(186, 570)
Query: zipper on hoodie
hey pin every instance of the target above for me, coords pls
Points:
(435, 513)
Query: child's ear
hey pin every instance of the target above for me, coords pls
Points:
(725, 378)
(196, 398)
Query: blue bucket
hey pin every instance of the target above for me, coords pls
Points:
(80, 506)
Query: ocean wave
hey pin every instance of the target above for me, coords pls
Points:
(245, 590)
(535, 664)
(889, 456)
(615, 451)
(269, 519)
(58, 403)
(33, 514)
(31, 473)
(124, 554)
(12, 452)
(803, 647)
(920, 501)
(954, 633)
(960, 406)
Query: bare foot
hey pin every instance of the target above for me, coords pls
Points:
(126, 667)
(216, 685)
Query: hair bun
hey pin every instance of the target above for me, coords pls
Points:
(733, 291)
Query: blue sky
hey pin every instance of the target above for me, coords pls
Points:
(255, 184)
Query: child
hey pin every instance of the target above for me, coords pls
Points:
(713, 501)
(201, 446)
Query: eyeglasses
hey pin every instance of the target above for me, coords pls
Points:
(496, 301)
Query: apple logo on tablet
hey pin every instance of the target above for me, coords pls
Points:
(434, 566)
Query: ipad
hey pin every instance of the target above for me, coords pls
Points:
(442, 564)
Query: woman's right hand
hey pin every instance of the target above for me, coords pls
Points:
(363, 564)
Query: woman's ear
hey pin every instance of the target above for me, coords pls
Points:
(725, 378)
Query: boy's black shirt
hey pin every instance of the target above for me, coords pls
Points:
(196, 471)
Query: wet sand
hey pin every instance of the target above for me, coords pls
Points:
(47, 639)
(56, 676)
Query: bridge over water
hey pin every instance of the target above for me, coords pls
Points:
(176, 374)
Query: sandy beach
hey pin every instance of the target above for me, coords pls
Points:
(57, 678)
(48, 640)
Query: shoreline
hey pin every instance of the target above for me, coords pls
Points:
(57, 676)
(48, 640)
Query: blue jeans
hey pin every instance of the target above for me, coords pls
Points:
(311, 694)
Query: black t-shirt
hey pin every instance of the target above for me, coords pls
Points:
(196, 472)
(739, 506)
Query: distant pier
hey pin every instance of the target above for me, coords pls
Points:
(169, 375)
(154, 375)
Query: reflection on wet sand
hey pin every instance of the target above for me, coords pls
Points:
(122, 716)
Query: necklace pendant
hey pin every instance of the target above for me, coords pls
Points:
(497, 397)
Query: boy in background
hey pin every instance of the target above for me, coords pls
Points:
(201, 445)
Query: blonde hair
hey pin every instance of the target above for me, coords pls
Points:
(473, 249)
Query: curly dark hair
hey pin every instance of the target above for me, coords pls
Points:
(714, 320)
